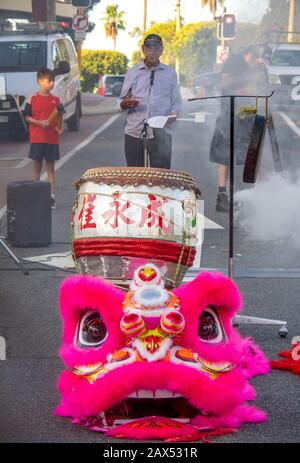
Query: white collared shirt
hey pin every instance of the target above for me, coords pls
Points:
(165, 94)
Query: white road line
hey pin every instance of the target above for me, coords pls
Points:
(2, 348)
(83, 144)
(75, 150)
(290, 123)
(23, 163)
(2, 212)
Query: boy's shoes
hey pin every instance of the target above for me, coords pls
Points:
(53, 202)
(222, 202)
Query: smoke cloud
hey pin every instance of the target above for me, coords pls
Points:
(252, 11)
(270, 210)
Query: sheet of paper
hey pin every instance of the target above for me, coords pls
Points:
(158, 122)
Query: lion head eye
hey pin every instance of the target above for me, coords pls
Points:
(92, 330)
(209, 328)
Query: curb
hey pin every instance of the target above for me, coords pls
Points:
(104, 105)
(99, 109)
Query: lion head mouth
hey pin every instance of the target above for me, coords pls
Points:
(145, 414)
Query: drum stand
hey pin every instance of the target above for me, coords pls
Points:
(13, 256)
(241, 319)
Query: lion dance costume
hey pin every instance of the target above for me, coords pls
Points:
(155, 362)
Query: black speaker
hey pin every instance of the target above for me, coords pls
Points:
(29, 213)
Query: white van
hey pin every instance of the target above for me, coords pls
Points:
(22, 54)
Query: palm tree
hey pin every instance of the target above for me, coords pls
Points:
(113, 22)
(212, 5)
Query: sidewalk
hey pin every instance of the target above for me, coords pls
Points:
(94, 104)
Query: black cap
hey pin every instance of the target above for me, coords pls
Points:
(153, 38)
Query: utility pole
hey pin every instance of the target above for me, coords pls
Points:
(51, 10)
(223, 12)
(291, 20)
(178, 27)
(145, 16)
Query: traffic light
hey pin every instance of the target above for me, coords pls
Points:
(82, 3)
(228, 26)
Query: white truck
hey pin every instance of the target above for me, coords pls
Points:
(283, 68)
(22, 53)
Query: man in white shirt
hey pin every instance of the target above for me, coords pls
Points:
(150, 89)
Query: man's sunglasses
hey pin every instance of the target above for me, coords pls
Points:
(153, 46)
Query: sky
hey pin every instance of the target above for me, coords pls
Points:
(160, 11)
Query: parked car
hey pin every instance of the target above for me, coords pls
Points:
(283, 71)
(110, 85)
(22, 53)
(207, 84)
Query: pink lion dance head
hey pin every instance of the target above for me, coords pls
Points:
(154, 363)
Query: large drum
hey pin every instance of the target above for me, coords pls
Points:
(124, 217)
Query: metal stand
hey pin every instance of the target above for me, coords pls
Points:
(241, 319)
(145, 137)
(144, 133)
(13, 256)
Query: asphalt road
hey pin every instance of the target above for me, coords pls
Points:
(31, 326)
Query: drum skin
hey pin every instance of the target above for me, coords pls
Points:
(123, 217)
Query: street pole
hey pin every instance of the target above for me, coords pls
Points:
(291, 20)
(222, 38)
(145, 16)
(178, 27)
(51, 10)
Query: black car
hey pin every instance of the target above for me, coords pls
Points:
(110, 85)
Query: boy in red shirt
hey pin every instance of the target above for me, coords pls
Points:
(43, 113)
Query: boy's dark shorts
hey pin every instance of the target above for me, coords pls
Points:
(47, 151)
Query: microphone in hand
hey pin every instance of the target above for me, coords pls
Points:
(129, 102)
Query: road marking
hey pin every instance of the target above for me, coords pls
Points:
(290, 123)
(211, 224)
(22, 163)
(2, 348)
(58, 259)
(2, 212)
(199, 117)
(75, 150)
(83, 144)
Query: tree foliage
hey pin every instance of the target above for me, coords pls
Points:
(96, 62)
(136, 57)
(212, 5)
(276, 19)
(195, 45)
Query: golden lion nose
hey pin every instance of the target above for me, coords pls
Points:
(147, 274)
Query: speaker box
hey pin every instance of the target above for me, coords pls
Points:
(29, 213)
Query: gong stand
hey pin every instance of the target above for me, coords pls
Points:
(240, 319)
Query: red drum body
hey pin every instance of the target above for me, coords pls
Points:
(124, 217)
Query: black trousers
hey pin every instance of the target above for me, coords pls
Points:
(159, 149)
